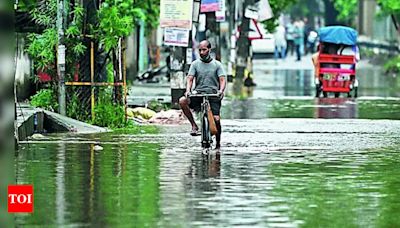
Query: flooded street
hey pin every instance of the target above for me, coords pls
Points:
(287, 160)
(272, 172)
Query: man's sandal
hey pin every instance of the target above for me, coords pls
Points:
(194, 132)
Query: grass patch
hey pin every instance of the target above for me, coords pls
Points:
(136, 129)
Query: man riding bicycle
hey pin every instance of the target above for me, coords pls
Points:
(210, 78)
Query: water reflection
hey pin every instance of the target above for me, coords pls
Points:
(60, 185)
(297, 82)
(331, 108)
(76, 185)
(283, 83)
(209, 165)
(311, 108)
(269, 173)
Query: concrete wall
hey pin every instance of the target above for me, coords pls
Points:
(131, 56)
(23, 70)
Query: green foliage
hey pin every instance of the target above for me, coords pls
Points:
(115, 19)
(45, 13)
(74, 107)
(151, 9)
(347, 9)
(42, 48)
(393, 65)
(390, 6)
(25, 5)
(277, 6)
(134, 129)
(108, 114)
(46, 99)
(113, 25)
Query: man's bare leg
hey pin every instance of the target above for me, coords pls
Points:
(184, 103)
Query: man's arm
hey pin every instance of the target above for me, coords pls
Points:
(222, 84)
(189, 84)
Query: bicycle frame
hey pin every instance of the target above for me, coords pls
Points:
(206, 139)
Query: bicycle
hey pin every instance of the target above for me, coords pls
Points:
(206, 137)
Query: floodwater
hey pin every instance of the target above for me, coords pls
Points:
(269, 173)
(287, 160)
(290, 94)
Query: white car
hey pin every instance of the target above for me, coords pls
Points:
(261, 41)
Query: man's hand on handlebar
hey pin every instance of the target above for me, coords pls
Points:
(220, 94)
(187, 93)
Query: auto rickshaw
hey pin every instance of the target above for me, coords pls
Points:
(337, 58)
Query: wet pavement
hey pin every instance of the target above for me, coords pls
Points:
(279, 166)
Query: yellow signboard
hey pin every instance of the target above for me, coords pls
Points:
(176, 13)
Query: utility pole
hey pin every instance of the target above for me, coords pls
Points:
(61, 56)
(177, 78)
(214, 38)
(243, 48)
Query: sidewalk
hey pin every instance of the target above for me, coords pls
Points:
(32, 120)
(290, 63)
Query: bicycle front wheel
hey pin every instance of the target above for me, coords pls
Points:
(205, 133)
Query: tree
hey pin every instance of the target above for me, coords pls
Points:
(105, 23)
(347, 8)
(277, 6)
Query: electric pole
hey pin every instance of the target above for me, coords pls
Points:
(61, 56)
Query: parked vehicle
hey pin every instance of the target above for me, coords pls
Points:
(262, 42)
(337, 58)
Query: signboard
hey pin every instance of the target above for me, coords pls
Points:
(196, 11)
(251, 12)
(220, 14)
(176, 37)
(264, 11)
(176, 13)
(209, 6)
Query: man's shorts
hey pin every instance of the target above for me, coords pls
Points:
(215, 103)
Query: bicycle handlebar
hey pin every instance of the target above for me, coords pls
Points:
(204, 95)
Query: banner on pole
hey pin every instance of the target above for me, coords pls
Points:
(209, 6)
(220, 14)
(176, 37)
(176, 13)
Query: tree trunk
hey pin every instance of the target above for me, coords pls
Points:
(243, 49)
(331, 13)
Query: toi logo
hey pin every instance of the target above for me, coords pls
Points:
(20, 198)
